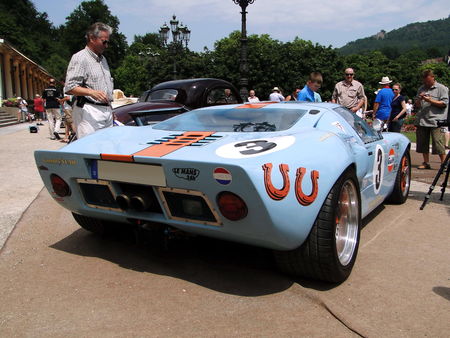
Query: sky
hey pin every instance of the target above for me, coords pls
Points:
(326, 22)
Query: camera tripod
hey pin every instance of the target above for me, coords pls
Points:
(445, 166)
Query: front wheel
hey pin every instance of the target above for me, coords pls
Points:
(330, 250)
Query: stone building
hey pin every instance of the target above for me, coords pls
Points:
(19, 75)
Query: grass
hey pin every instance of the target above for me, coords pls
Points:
(411, 135)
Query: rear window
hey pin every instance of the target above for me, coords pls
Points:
(234, 120)
(163, 94)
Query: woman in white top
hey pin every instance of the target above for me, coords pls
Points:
(252, 98)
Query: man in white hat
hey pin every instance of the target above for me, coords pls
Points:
(276, 95)
(382, 105)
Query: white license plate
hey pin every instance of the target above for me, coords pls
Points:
(132, 172)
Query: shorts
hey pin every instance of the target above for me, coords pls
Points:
(423, 140)
(68, 116)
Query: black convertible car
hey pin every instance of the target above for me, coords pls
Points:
(171, 98)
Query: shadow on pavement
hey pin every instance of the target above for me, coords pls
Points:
(219, 265)
(442, 291)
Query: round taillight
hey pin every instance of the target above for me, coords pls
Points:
(60, 187)
(231, 206)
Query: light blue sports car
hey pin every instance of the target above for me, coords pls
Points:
(293, 177)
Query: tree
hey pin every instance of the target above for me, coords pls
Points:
(77, 23)
(28, 30)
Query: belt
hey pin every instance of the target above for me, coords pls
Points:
(97, 103)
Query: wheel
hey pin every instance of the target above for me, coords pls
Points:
(402, 181)
(330, 250)
(94, 225)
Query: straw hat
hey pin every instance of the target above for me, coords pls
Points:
(385, 80)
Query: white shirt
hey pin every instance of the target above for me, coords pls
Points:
(253, 99)
(277, 97)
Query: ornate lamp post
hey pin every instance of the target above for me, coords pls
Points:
(180, 34)
(243, 67)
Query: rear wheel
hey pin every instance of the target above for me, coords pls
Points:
(402, 181)
(330, 250)
(95, 225)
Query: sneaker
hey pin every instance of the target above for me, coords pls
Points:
(57, 135)
(424, 165)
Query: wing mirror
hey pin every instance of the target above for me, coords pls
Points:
(377, 125)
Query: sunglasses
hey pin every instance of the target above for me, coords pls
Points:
(349, 74)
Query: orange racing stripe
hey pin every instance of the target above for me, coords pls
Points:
(254, 105)
(188, 138)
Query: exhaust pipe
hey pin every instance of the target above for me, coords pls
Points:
(123, 201)
(140, 202)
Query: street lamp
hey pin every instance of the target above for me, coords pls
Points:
(243, 67)
(180, 34)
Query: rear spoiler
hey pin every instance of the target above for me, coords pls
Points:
(151, 116)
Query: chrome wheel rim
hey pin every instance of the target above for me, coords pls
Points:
(347, 222)
(405, 175)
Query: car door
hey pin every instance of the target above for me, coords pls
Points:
(373, 158)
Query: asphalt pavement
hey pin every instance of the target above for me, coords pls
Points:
(59, 280)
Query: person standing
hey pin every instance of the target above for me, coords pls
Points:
(276, 95)
(51, 96)
(398, 110)
(349, 92)
(432, 105)
(309, 92)
(23, 110)
(38, 104)
(89, 78)
(252, 97)
(383, 100)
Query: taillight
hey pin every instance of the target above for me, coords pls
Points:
(60, 187)
(231, 206)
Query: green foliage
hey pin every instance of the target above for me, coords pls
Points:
(431, 36)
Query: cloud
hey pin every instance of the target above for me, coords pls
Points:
(325, 21)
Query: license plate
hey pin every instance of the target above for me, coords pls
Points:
(147, 174)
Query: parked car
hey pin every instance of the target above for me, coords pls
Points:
(293, 177)
(171, 98)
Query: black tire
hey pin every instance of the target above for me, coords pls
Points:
(402, 181)
(319, 257)
(94, 225)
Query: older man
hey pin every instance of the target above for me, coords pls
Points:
(432, 104)
(88, 78)
(349, 92)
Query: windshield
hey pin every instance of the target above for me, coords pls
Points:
(234, 120)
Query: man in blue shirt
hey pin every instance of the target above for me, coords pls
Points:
(382, 105)
(309, 92)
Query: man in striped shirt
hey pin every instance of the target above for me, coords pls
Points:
(88, 77)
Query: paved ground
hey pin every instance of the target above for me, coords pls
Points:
(59, 280)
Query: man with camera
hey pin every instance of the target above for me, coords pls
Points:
(89, 78)
(432, 105)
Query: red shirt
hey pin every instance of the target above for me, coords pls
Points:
(39, 105)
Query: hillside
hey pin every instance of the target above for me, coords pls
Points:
(431, 35)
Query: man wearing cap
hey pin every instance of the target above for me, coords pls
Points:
(51, 96)
(383, 100)
(276, 95)
(349, 92)
(432, 105)
(89, 78)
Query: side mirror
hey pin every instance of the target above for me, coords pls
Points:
(377, 125)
